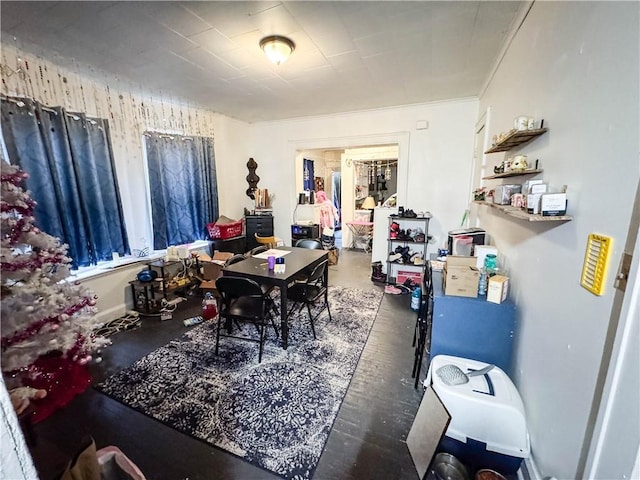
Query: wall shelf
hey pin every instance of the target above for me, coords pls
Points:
(516, 138)
(513, 174)
(522, 215)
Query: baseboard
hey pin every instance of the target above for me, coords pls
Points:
(112, 313)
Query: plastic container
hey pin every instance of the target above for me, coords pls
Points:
(209, 307)
(224, 231)
(490, 261)
(488, 426)
(462, 245)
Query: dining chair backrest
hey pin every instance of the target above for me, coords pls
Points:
(257, 250)
(269, 241)
(317, 274)
(235, 259)
(231, 288)
(309, 243)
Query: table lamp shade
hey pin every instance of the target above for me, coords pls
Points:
(369, 203)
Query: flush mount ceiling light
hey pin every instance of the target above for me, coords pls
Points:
(277, 48)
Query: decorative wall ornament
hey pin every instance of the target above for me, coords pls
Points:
(252, 178)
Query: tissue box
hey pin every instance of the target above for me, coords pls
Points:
(497, 289)
(502, 193)
(460, 276)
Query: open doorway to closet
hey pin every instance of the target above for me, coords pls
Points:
(354, 180)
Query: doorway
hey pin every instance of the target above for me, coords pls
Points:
(355, 179)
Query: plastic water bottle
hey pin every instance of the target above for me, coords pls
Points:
(415, 299)
(482, 284)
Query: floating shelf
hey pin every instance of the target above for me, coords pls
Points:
(512, 174)
(515, 138)
(522, 215)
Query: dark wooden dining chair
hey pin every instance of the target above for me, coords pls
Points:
(308, 294)
(235, 259)
(310, 243)
(256, 251)
(243, 301)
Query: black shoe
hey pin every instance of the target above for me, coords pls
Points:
(382, 278)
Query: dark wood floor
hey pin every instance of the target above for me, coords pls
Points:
(367, 440)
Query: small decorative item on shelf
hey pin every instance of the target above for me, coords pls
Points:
(252, 178)
(519, 163)
(479, 194)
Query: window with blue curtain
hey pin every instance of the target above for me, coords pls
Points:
(182, 186)
(72, 177)
(307, 175)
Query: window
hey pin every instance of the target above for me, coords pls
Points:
(182, 186)
(72, 177)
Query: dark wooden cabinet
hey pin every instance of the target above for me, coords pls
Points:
(260, 224)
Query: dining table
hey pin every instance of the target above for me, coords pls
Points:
(296, 261)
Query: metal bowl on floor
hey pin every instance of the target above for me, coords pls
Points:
(487, 474)
(448, 467)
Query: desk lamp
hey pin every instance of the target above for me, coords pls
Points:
(369, 204)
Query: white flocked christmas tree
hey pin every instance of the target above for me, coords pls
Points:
(47, 322)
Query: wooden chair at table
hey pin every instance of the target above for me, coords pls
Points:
(309, 292)
(269, 242)
(244, 301)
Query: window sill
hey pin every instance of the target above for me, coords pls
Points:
(106, 268)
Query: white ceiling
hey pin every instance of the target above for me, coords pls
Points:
(350, 55)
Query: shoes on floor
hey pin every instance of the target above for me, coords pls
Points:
(393, 290)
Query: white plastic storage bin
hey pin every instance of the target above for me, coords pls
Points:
(488, 425)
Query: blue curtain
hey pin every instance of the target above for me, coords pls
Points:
(183, 187)
(307, 175)
(72, 177)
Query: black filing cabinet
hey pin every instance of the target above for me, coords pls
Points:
(260, 224)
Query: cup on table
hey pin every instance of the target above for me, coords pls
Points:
(271, 262)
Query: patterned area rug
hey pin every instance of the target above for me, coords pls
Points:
(276, 414)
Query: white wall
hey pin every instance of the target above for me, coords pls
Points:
(436, 161)
(576, 65)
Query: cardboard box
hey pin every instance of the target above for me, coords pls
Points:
(212, 267)
(497, 289)
(414, 276)
(460, 277)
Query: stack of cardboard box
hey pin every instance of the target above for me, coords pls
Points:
(211, 268)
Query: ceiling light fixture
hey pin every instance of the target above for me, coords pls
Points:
(277, 48)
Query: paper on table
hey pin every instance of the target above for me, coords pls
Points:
(273, 252)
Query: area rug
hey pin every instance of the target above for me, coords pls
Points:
(276, 414)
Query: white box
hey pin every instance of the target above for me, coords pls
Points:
(482, 251)
(553, 204)
(487, 416)
(497, 289)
